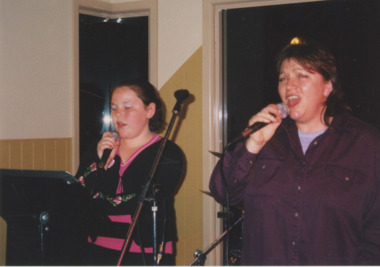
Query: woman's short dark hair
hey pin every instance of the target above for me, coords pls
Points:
(316, 58)
(148, 94)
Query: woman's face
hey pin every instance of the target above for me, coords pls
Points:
(304, 92)
(130, 116)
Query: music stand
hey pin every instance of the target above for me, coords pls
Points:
(49, 216)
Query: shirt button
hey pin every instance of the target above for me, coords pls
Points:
(299, 188)
(251, 162)
(235, 180)
(347, 179)
(315, 142)
(264, 166)
(296, 214)
(293, 243)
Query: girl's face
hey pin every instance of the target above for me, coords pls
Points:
(304, 92)
(130, 116)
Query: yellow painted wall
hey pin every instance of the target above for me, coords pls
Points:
(187, 133)
(3, 241)
(36, 154)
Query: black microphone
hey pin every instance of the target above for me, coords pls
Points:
(180, 95)
(107, 152)
(284, 110)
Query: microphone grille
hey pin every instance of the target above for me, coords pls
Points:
(284, 109)
(115, 135)
(181, 94)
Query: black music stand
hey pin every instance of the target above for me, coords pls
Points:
(49, 216)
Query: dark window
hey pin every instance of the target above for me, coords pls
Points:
(255, 35)
(110, 50)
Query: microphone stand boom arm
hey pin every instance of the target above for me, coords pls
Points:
(181, 95)
(200, 256)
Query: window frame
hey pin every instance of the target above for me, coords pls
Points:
(112, 10)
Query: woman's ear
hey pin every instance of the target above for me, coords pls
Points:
(151, 110)
(328, 89)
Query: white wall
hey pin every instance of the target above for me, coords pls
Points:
(37, 43)
(36, 68)
(179, 34)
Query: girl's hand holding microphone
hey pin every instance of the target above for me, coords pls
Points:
(107, 149)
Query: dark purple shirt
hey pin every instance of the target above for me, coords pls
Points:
(321, 208)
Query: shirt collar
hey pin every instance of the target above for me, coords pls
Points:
(340, 122)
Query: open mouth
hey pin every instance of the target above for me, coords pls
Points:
(293, 101)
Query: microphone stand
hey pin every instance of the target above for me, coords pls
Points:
(180, 95)
(200, 256)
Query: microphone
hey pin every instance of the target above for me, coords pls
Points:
(180, 95)
(284, 110)
(107, 152)
(258, 125)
